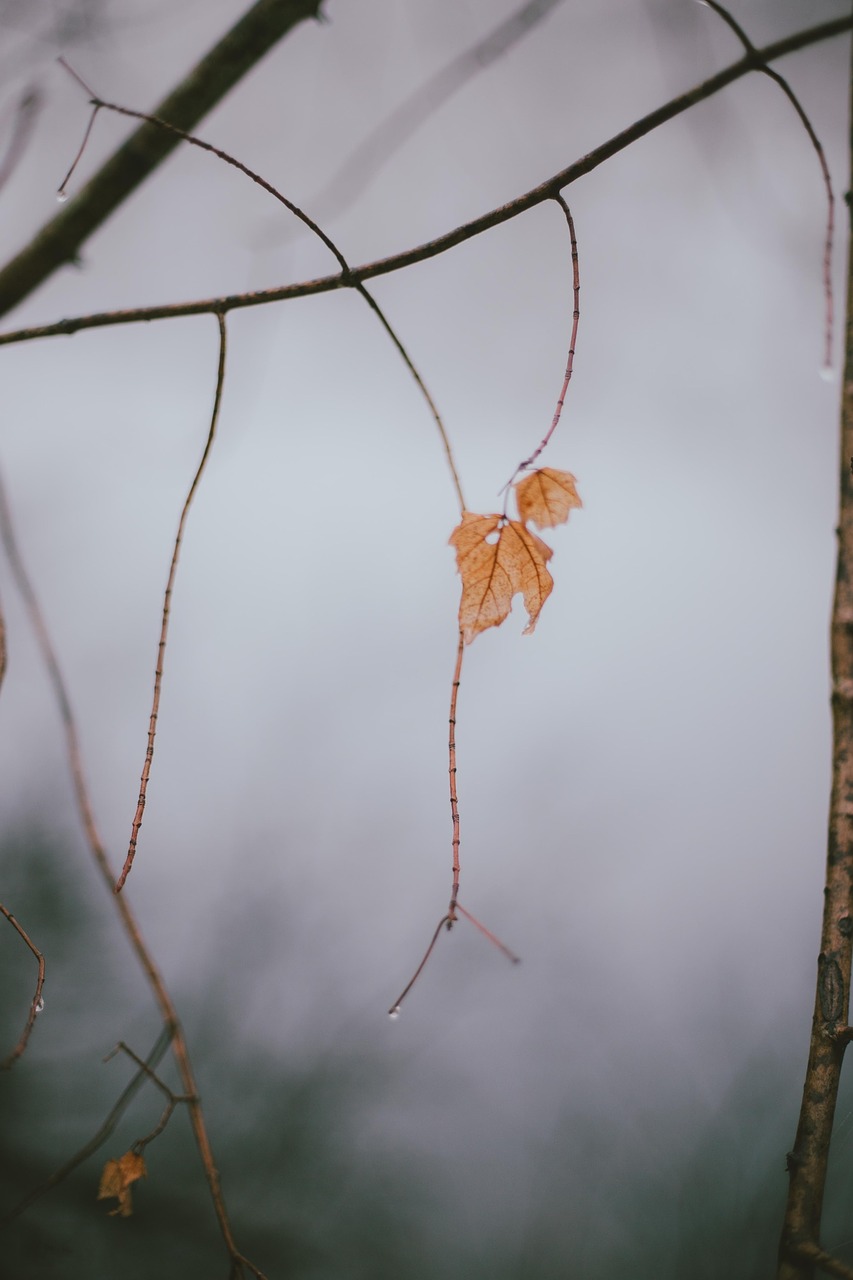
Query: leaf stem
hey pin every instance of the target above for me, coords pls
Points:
(570, 359)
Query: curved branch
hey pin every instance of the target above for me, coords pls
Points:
(547, 190)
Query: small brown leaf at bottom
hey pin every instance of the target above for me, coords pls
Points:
(546, 497)
(117, 1178)
(494, 571)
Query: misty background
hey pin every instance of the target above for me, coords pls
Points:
(643, 783)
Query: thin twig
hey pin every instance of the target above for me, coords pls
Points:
(394, 1011)
(309, 222)
(570, 359)
(167, 604)
(160, 1046)
(492, 937)
(761, 65)
(61, 193)
(168, 1013)
(547, 190)
(451, 769)
(37, 1003)
(172, 1098)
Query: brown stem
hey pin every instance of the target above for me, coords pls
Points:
(432, 248)
(168, 1012)
(570, 359)
(451, 769)
(37, 1003)
(807, 1162)
(167, 604)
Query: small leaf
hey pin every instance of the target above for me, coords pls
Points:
(494, 571)
(117, 1178)
(546, 497)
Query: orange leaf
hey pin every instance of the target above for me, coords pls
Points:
(494, 569)
(117, 1178)
(546, 497)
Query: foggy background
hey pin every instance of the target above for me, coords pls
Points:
(643, 783)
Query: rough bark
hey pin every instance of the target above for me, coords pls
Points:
(807, 1162)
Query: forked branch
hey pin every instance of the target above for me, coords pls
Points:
(547, 190)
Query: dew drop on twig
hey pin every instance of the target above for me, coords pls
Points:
(394, 1013)
(40, 1005)
(827, 373)
(61, 197)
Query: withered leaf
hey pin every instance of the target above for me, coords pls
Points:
(117, 1178)
(546, 497)
(494, 571)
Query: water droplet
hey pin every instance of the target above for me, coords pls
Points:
(40, 1004)
(394, 1013)
(61, 197)
(827, 373)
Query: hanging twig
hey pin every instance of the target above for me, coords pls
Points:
(37, 1003)
(167, 604)
(570, 359)
(760, 64)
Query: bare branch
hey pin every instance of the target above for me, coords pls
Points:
(210, 80)
(167, 603)
(171, 1025)
(37, 1003)
(123, 1102)
(808, 1161)
(547, 190)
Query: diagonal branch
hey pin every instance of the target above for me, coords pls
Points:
(209, 81)
(547, 190)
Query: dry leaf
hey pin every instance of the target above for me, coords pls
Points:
(546, 497)
(494, 571)
(117, 1178)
